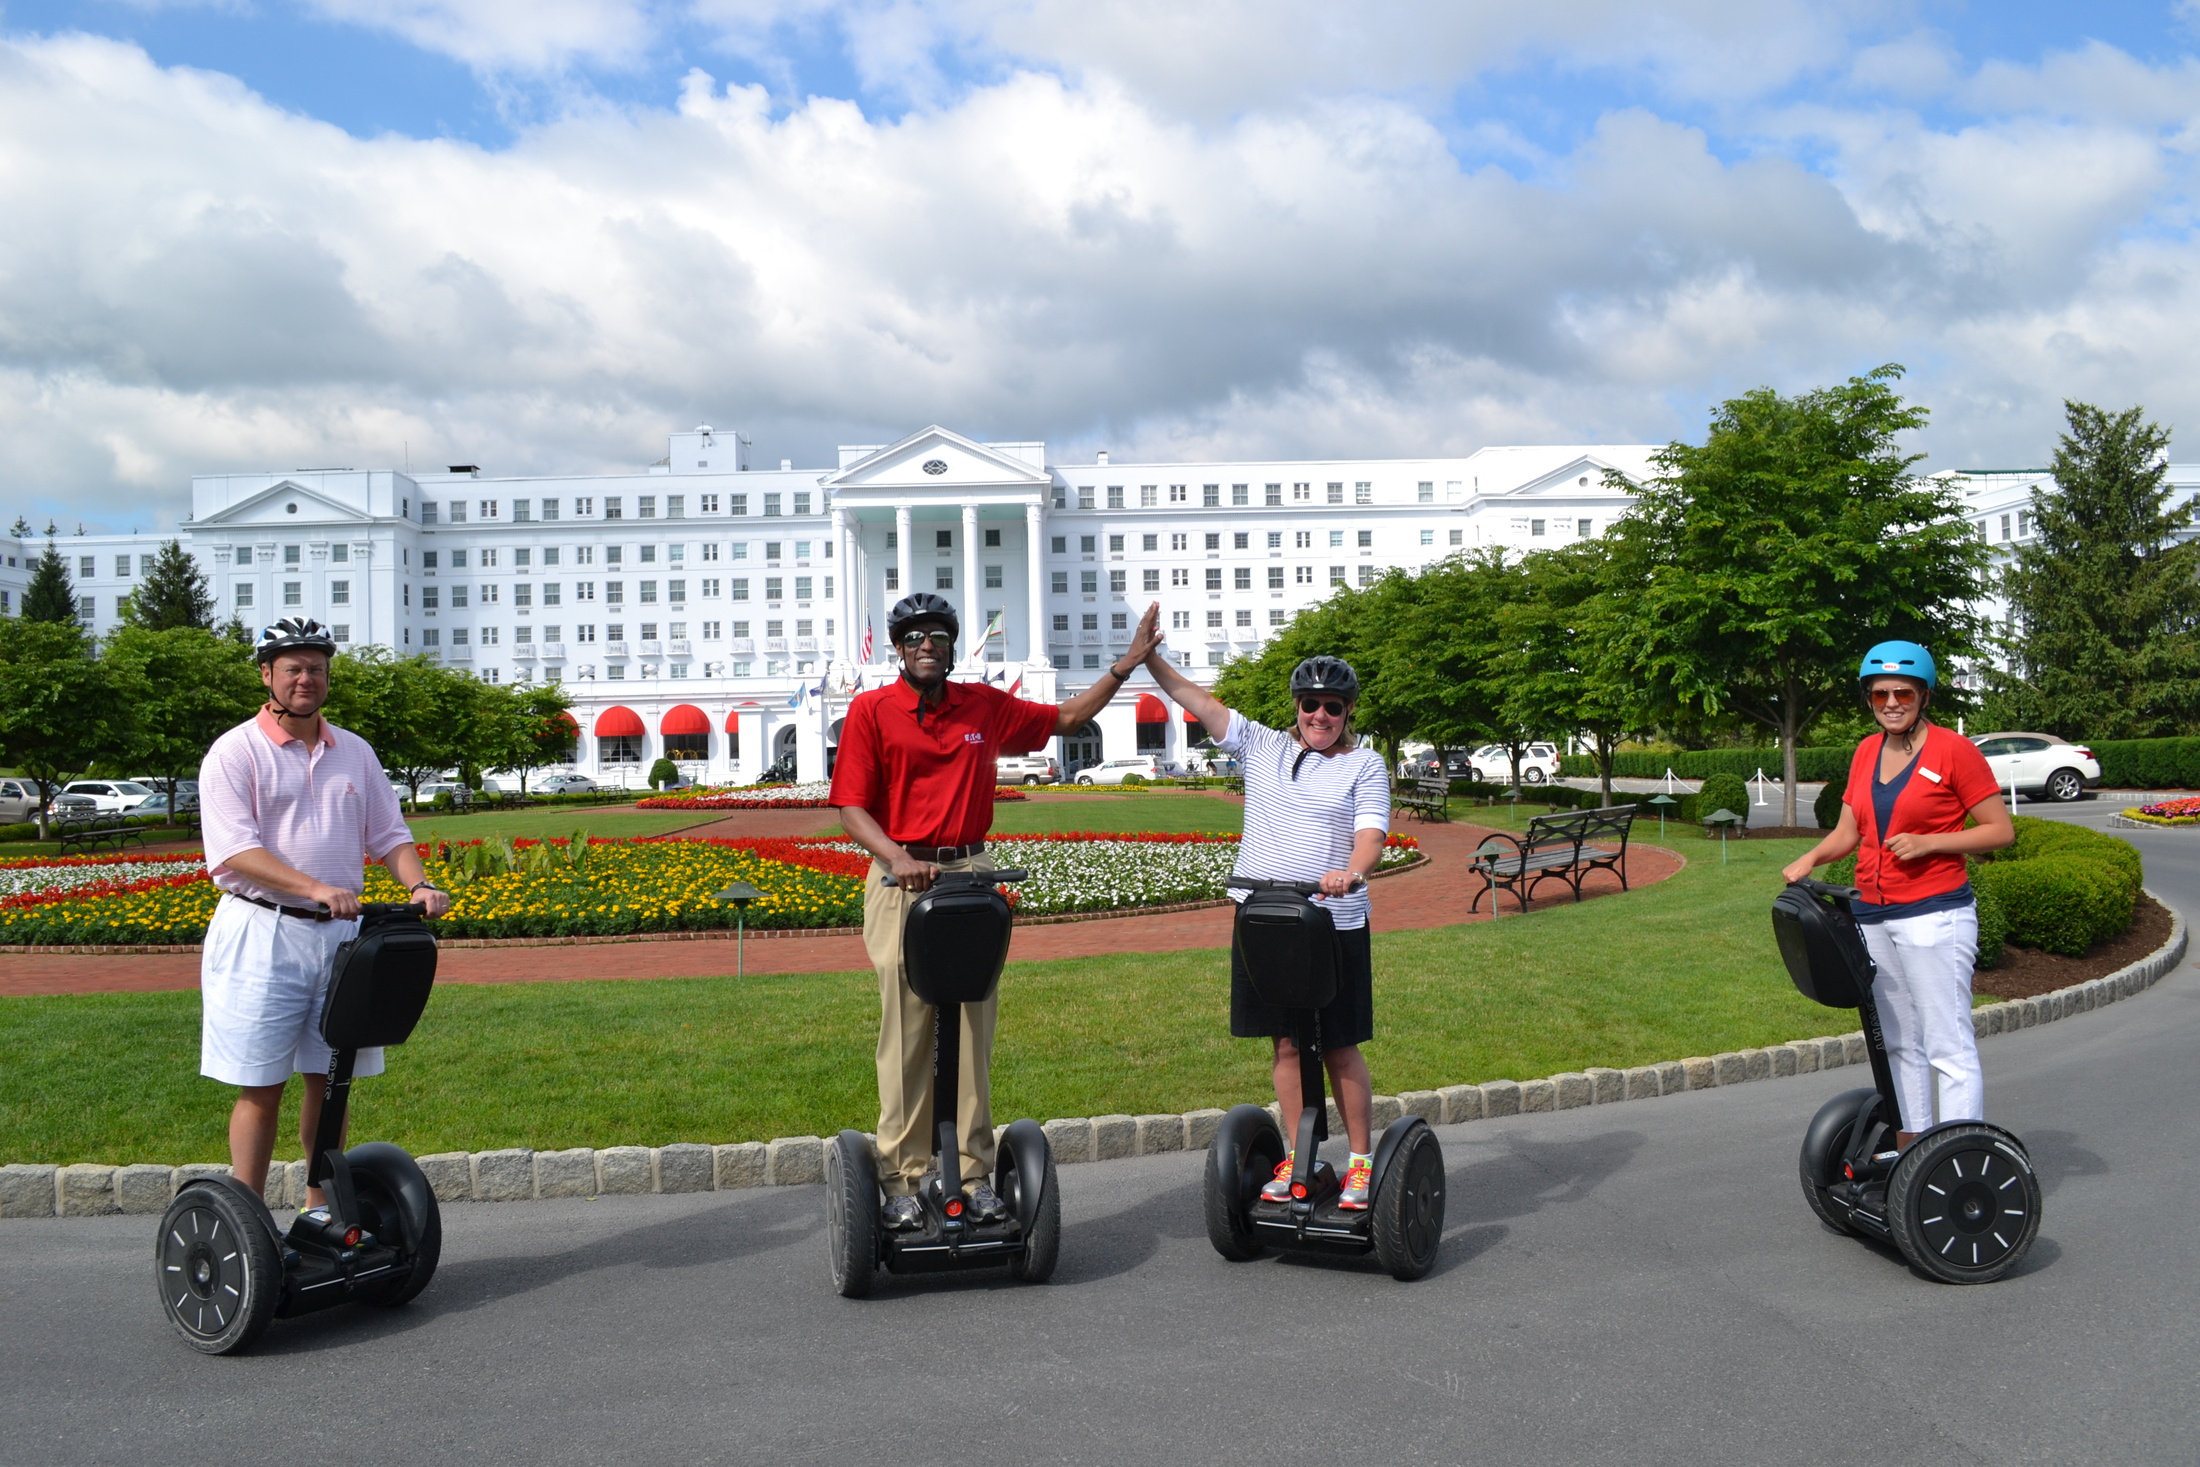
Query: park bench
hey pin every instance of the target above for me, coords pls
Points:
(1429, 796)
(90, 832)
(1565, 847)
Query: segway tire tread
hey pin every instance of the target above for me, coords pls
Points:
(215, 1265)
(1408, 1221)
(1964, 1204)
(1043, 1241)
(381, 1176)
(1247, 1147)
(851, 1214)
(1824, 1145)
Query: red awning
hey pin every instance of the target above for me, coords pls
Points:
(1190, 716)
(685, 719)
(566, 719)
(1150, 709)
(618, 723)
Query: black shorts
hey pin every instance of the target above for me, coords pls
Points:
(1347, 1019)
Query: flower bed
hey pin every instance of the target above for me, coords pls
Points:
(811, 796)
(612, 887)
(2168, 812)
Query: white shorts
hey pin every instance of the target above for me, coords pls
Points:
(262, 977)
(1924, 996)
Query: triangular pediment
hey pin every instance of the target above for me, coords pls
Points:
(936, 456)
(1567, 477)
(271, 506)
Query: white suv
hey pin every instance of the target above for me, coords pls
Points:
(2039, 765)
(1493, 765)
(110, 795)
(1025, 769)
(1149, 767)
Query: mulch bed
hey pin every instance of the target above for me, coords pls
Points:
(2028, 973)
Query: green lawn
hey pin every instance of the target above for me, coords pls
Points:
(1685, 967)
(536, 824)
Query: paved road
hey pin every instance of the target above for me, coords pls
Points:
(1638, 1283)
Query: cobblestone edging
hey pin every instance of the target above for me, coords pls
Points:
(713, 934)
(518, 1174)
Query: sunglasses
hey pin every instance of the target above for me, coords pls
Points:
(1329, 706)
(1893, 697)
(945, 641)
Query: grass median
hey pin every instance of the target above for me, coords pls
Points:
(1684, 967)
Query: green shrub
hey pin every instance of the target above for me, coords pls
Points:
(1826, 809)
(2060, 903)
(443, 800)
(1993, 926)
(1719, 792)
(26, 831)
(1475, 789)
(662, 773)
(1134, 780)
(1810, 763)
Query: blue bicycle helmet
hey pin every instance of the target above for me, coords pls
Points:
(1899, 659)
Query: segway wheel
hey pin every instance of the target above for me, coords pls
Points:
(1408, 1221)
(1825, 1144)
(396, 1204)
(851, 1214)
(1029, 1162)
(1247, 1148)
(1964, 1204)
(217, 1270)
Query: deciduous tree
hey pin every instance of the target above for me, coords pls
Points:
(60, 711)
(187, 687)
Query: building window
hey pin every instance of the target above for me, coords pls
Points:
(1276, 614)
(1117, 581)
(1367, 538)
(1214, 578)
(626, 749)
(1115, 496)
(1336, 575)
(1363, 493)
(488, 636)
(86, 566)
(1336, 493)
(523, 596)
(1241, 541)
(122, 566)
(488, 509)
(1180, 494)
(458, 598)
(1149, 580)
(1425, 491)
(1271, 494)
(427, 511)
(613, 591)
(676, 506)
(614, 507)
(775, 588)
(649, 592)
(771, 506)
(1245, 618)
(1304, 575)
(1210, 496)
(1241, 578)
(1368, 574)
(457, 508)
(1275, 578)
(1459, 537)
(1428, 537)
(676, 591)
(1535, 529)
(737, 504)
(1241, 494)
(893, 579)
(340, 633)
(1214, 618)
(1149, 496)
(993, 578)
(550, 509)
(1180, 621)
(244, 595)
(1583, 528)
(1084, 496)
(1087, 545)
(1179, 578)
(710, 504)
(293, 594)
(1088, 582)
(339, 593)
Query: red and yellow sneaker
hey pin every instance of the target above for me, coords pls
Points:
(1357, 1179)
(1279, 1189)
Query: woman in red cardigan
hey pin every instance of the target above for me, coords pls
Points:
(1911, 787)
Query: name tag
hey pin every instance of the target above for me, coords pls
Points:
(1921, 769)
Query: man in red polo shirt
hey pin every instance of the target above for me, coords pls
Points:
(914, 786)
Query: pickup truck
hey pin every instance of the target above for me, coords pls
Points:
(1025, 769)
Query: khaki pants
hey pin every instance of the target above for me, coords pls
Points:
(905, 1131)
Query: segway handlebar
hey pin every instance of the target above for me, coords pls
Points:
(381, 909)
(966, 878)
(1262, 883)
(1847, 895)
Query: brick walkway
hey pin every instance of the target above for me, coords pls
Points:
(1434, 895)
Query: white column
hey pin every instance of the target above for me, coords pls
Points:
(902, 550)
(846, 643)
(973, 602)
(1035, 630)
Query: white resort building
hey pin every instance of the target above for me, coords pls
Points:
(723, 616)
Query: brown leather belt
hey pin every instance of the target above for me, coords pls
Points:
(946, 853)
(310, 914)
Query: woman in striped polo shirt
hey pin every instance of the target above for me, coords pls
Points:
(1317, 808)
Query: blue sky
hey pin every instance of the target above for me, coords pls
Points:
(1234, 228)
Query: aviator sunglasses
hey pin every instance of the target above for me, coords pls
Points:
(1894, 697)
(1329, 706)
(943, 640)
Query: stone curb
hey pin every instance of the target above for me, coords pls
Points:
(519, 1174)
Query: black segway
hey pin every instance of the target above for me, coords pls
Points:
(1961, 1203)
(223, 1267)
(1290, 953)
(954, 941)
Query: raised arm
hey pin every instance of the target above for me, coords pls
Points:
(1079, 711)
(1188, 695)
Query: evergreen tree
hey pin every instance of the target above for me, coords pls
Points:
(175, 594)
(50, 596)
(2106, 596)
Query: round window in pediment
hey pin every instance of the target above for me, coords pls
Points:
(935, 465)
(291, 508)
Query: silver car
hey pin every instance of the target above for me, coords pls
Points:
(2039, 765)
(18, 801)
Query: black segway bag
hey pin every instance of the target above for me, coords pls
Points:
(1822, 945)
(954, 941)
(1290, 947)
(380, 981)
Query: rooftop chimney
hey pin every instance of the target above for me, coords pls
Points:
(1101, 457)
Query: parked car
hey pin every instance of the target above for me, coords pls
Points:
(156, 783)
(71, 807)
(567, 784)
(158, 805)
(1427, 766)
(429, 791)
(1025, 769)
(109, 795)
(2040, 765)
(1492, 764)
(1150, 767)
(18, 801)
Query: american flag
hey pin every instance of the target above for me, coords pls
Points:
(866, 635)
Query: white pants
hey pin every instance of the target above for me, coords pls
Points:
(1924, 996)
(262, 978)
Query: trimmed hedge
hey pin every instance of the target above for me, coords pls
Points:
(2149, 764)
(1811, 764)
(1826, 809)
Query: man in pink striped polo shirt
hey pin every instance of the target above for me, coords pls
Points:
(292, 809)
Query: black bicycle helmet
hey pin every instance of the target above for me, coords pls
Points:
(1322, 674)
(920, 606)
(289, 635)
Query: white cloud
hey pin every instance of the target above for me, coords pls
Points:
(508, 35)
(193, 280)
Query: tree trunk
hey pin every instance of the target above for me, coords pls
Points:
(1788, 720)
(1604, 749)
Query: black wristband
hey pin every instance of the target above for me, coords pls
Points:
(1121, 677)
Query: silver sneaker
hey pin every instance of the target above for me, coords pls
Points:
(986, 1204)
(903, 1214)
